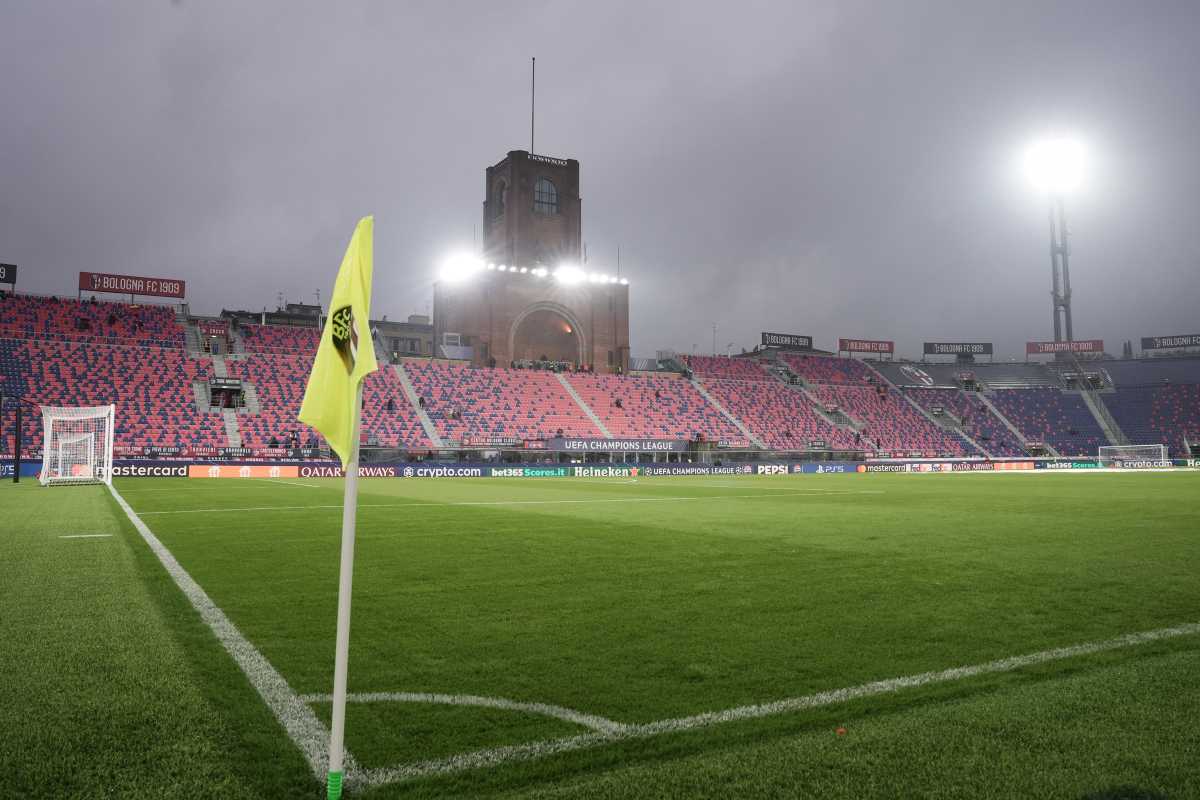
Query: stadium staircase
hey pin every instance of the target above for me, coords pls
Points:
(955, 430)
(236, 343)
(422, 416)
(796, 382)
(231, 427)
(191, 333)
(250, 398)
(836, 417)
(200, 395)
(1104, 417)
(737, 423)
(584, 407)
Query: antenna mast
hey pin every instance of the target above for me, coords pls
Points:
(532, 98)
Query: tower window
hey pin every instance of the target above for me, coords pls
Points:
(499, 197)
(545, 197)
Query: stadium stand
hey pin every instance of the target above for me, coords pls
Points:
(25, 316)
(396, 426)
(825, 369)
(1156, 401)
(781, 417)
(282, 339)
(71, 352)
(151, 388)
(977, 420)
(1050, 415)
(890, 422)
(279, 382)
(653, 407)
(467, 403)
(737, 369)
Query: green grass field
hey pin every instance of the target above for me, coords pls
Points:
(637, 606)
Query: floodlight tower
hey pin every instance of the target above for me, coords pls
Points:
(1055, 167)
(1060, 271)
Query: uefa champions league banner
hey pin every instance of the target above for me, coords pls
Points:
(560, 444)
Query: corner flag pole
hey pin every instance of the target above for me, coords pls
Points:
(345, 578)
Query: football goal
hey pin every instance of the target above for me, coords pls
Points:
(77, 445)
(1134, 456)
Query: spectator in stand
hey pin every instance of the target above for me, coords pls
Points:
(391, 404)
(273, 443)
(421, 401)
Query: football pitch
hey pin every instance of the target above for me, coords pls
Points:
(832, 635)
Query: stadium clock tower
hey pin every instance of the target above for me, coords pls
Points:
(534, 300)
(531, 211)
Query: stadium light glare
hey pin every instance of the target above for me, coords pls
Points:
(502, 268)
(524, 270)
(624, 282)
(491, 267)
(459, 267)
(1055, 166)
(569, 275)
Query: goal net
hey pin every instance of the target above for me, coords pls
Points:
(77, 445)
(1134, 456)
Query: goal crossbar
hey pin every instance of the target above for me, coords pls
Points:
(1133, 456)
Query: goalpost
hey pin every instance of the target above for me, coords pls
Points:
(77, 445)
(1134, 456)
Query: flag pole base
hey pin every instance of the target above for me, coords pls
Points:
(333, 786)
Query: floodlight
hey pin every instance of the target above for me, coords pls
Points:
(492, 267)
(502, 268)
(524, 270)
(624, 282)
(459, 267)
(568, 275)
(1055, 165)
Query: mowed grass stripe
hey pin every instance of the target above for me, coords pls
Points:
(570, 501)
(112, 687)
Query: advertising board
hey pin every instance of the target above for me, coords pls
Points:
(866, 346)
(1077, 346)
(958, 348)
(131, 284)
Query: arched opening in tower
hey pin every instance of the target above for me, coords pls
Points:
(547, 335)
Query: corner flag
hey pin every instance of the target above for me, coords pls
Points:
(346, 354)
(333, 404)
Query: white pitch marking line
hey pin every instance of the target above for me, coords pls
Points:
(87, 536)
(297, 719)
(799, 492)
(294, 483)
(592, 721)
(525, 752)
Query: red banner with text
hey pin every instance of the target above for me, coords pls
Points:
(1078, 346)
(866, 346)
(130, 284)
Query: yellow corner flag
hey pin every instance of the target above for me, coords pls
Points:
(347, 353)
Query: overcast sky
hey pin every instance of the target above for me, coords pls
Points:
(833, 169)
